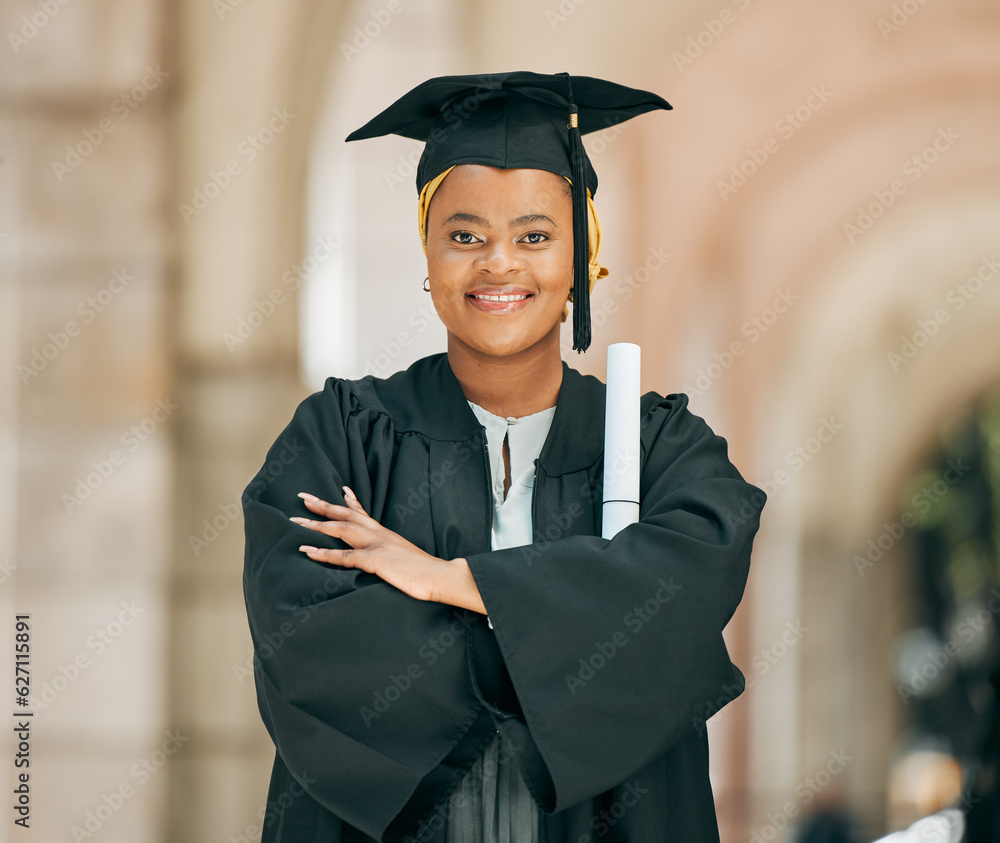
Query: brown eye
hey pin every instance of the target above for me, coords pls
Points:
(465, 238)
(535, 237)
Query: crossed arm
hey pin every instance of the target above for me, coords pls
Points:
(380, 551)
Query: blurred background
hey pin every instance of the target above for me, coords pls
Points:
(807, 245)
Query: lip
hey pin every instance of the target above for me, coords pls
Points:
(499, 306)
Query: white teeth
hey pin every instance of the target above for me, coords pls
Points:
(518, 297)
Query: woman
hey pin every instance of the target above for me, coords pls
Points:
(445, 648)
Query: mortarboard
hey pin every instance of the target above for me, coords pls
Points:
(518, 120)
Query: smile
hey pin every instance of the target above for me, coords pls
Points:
(518, 297)
(500, 303)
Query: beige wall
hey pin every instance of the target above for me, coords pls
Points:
(174, 673)
(86, 278)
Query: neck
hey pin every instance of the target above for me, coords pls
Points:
(515, 385)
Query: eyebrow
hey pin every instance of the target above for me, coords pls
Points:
(517, 221)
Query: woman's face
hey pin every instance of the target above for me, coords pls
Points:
(506, 233)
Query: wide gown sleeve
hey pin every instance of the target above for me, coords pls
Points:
(614, 647)
(357, 711)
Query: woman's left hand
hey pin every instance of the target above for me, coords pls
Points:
(380, 551)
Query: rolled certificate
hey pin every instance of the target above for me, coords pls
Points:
(621, 439)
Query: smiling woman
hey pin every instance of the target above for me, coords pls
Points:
(500, 244)
(446, 649)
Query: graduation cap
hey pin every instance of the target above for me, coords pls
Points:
(518, 120)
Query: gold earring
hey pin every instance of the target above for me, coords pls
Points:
(425, 286)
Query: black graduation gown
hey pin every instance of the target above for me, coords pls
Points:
(606, 656)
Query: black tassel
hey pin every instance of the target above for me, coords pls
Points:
(581, 268)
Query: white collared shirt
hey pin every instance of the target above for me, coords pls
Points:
(525, 437)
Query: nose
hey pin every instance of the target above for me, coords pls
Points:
(499, 258)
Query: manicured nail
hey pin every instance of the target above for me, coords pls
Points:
(308, 548)
(298, 520)
(348, 493)
(307, 497)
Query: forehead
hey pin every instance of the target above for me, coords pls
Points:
(483, 186)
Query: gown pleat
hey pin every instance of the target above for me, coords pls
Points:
(492, 804)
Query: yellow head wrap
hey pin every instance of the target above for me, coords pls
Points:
(597, 271)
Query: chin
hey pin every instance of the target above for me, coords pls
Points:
(506, 348)
(499, 341)
(500, 349)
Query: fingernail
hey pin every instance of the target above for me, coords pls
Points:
(298, 520)
(306, 547)
(307, 497)
(348, 493)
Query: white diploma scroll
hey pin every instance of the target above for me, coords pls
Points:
(621, 439)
